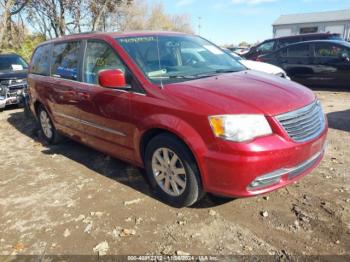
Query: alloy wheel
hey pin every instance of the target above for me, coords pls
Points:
(46, 124)
(169, 171)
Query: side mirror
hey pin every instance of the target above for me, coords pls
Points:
(112, 78)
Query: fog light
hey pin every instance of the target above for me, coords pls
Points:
(268, 179)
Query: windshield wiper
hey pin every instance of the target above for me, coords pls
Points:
(224, 71)
(196, 76)
(176, 77)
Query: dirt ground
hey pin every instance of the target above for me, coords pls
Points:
(70, 199)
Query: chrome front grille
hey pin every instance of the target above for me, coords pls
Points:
(303, 124)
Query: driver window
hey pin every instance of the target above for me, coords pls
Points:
(266, 47)
(99, 56)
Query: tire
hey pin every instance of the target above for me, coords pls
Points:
(176, 178)
(48, 130)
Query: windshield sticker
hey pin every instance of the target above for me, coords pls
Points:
(17, 67)
(157, 73)
(138, 39)
(213, 49)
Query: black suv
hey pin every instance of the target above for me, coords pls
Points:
(314, 63)
(13, 79)
(271, 45)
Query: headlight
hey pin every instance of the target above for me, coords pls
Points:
(3, 90)
(239, 128)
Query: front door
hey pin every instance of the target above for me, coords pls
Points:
(104, 112)
(296, 61)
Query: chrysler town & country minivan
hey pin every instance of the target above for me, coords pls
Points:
(177, 105)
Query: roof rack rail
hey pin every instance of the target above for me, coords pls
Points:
(85, 33)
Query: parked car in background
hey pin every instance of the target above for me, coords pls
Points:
(180, 107)
(315, 63)
(271, 45)
(13, 79)
(260, 66)
(239, 50)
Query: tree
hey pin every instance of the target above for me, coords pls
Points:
(138, 15)
(10, 9)
(243, 44)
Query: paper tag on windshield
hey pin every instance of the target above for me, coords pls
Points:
(214, 50)
(17, 67)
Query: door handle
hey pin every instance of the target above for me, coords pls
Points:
(83, 96)
(71, 93)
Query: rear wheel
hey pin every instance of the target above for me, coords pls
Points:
(49, 131)
(172, 171)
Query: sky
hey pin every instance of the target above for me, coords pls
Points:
(234, 21)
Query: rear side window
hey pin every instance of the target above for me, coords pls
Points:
(65, 60)
(298, 51)
(99, 56)
(41, 61)
(329, 50)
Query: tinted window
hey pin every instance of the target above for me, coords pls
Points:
(288, 41)
(99, 56)
(266, 47)
(298, 51)
(329, 50)
(41, 61)
(65, 60)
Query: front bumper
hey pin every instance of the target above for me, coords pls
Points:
(12, 97)
(266, 164)
(2, 102)
(14, 100)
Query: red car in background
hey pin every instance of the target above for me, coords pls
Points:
(177, 105)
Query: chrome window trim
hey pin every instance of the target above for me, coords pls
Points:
(87, 123)
(89, 84)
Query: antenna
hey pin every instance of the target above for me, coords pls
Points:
(160, 67)
(199, 24)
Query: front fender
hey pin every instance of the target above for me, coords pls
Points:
(178, 127)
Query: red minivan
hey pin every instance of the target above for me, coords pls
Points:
(177, 105)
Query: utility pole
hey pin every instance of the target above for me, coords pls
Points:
(199, 25)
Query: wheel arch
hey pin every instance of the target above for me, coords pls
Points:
(178, 128)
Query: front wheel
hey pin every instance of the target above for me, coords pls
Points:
(49, 131)
(172, 171)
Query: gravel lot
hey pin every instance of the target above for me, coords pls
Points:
(70, 199)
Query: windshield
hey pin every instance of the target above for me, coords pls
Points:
(12, 63)
(178, 58)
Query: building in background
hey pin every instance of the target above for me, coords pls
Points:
(320, 22)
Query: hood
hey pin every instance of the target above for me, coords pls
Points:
(262, 67)
(246, 92)
(13, 74)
